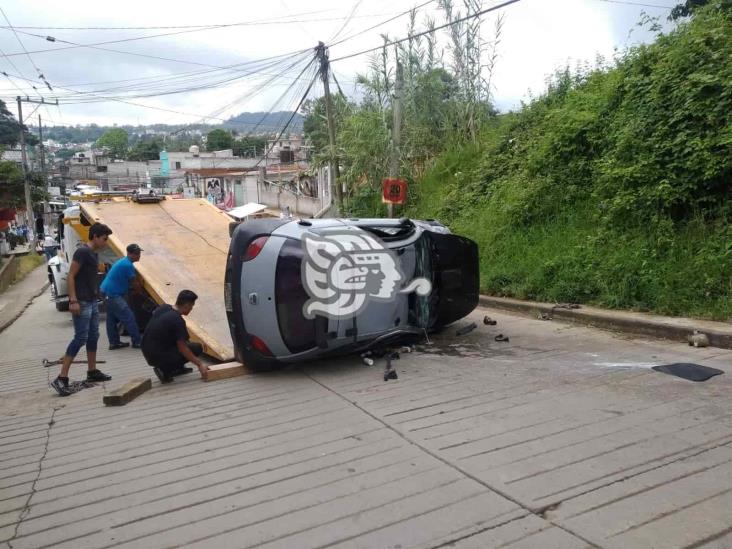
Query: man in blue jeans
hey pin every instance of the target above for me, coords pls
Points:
(115, 287)
(82, 288)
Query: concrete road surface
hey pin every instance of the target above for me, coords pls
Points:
(561, 438)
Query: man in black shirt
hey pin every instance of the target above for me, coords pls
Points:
(165, 343)
(82, 287)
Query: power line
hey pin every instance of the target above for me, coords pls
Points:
(347, 20)
(429, 31)
(160, 88)
(638, 4)
(160, 58)
(193, 74)
(214, 25)
(40, 73)
(73, 45)
(402, 14)
(124, 101)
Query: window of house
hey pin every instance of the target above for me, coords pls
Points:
(177, 165)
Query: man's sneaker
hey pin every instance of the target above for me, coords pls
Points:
(97, 375)
(61, 386)
(120, 345)
(161, 375)
(182, 371)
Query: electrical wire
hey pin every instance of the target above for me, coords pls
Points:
(284, 128)
(167, 27)
(38, 71)
(149, 56)
(638, 4)
(73, 45)
(364, 31)
(155, 89)
(346, 21)
(429, 31)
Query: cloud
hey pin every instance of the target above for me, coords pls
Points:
(538, 37)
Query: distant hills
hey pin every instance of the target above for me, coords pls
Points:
(259, 122)
(254, 123)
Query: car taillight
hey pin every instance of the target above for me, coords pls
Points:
(254, 248)
(260, 346)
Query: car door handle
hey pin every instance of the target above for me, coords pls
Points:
(253, 298)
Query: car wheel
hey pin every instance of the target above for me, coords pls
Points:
(60, 305)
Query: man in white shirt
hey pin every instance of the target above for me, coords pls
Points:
(49, 247)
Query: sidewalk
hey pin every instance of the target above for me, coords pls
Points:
(664, 327)
(15, 299)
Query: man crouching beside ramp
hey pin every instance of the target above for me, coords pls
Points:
(165, 343)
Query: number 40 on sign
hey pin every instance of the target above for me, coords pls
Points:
(394, 191)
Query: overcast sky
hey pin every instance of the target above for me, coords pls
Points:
(538, 36)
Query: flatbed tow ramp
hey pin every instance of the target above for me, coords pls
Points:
(185, 243)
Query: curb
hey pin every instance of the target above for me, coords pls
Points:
(673, 328)
(6, 323)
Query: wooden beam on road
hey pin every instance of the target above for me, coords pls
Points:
(129, 391)
(226, 370)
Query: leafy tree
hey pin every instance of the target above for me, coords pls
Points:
(116, 141)
(146, 150)
(315, 124)
(248, 145)
(65, 154)
(217, 140)
(9, 127)
(12, 188)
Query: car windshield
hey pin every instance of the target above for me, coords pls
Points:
(297, 332)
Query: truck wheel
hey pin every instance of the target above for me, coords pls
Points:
(60, 305)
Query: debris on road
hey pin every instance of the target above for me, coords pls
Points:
(128, 392)
(488, 321)
(550, 314)
(48, 363)
(501, 337)
(686, 370)
(466, 329)
(698, 339)
(74, 387)
(389, 371)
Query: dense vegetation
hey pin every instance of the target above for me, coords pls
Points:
(613, 188)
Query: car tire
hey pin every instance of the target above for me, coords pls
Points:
(61, 306)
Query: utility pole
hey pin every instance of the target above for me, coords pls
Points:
(24, 161)
(396, 129)
(43, 157)
(334, 170)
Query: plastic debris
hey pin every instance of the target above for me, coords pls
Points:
(466, 329)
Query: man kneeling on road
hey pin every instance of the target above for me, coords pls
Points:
(165, 343)
(115, 287)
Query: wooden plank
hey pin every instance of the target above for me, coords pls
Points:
(225, 371)
(185, 244)
(129, 391)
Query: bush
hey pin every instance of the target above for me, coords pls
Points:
(613, 188)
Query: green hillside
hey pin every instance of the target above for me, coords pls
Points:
(613, 188)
